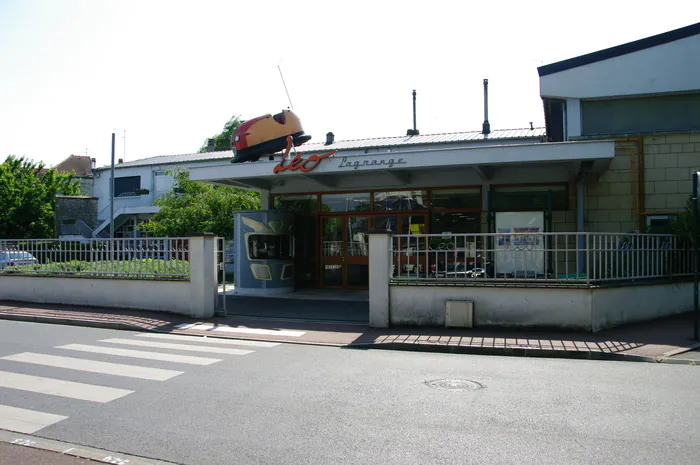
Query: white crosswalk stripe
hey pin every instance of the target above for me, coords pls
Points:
(117, 369)
(209, 340)
(231, 329)
(188, 347)
(188, 359)
(26, 421)
(58, 387)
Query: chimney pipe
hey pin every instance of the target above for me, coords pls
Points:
(120, 161)
(211, 145)
(93, 163)
(414, 131)
(330, 138)
(486, 128)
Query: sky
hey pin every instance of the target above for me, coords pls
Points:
(166, 75)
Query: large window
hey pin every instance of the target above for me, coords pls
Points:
(265, 246)
(528, 198)
(400, 200)
(297, 203)
(463, 198)
(126, 186)
(349, 202)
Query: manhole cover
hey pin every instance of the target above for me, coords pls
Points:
(454, 385)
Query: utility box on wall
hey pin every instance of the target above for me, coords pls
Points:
(459, 314)
(264, 252)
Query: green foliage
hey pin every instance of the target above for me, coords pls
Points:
(28, 198)
(137, 268)
(195, 207)
(223, 139)
(683, 224)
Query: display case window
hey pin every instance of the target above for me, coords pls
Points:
(270, 246)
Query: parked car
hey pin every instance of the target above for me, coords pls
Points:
(16, 258)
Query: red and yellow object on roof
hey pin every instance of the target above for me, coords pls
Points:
(266, 135)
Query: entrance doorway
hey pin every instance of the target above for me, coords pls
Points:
(345, 252)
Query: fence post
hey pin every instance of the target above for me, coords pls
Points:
(203, 282)
(380, 261)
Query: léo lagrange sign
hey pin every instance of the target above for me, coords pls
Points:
(305, 165)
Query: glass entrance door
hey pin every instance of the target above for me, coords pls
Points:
(345, 252)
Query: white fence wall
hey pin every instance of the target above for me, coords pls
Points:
(195, 297)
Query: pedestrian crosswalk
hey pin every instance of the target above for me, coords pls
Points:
(174, 350)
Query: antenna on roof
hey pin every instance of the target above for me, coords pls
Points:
(285, 85)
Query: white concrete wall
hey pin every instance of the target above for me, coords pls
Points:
(493, 306)
(671, 67)
(584, 309)
(195, 298)
(614, 306)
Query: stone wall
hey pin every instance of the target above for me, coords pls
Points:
(669, 162)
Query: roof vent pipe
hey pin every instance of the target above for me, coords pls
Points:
(414, 131)
(211, 145)
(486, 128)
(330, 138)
(120, 161)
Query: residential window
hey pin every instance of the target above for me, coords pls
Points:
(126, 186)
(463, 198)
(400, 200)
(659, 224)
(528, 198)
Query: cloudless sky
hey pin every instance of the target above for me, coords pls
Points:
(171, 73)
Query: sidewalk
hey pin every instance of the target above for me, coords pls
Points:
(664, 340)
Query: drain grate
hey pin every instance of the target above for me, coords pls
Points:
(454, 385)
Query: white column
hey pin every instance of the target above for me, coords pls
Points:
(379, 272)
(266, 200)
(573, 118)
(203, 277)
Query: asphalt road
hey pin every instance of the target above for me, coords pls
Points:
(294, 404)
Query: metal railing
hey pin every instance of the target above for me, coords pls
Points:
(566, 258)
(136, 258)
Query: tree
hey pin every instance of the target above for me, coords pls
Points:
(223, 139)
(195, 207)
(28, 198)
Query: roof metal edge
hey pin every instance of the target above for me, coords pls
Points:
(619, 50)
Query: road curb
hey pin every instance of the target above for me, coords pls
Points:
(75, 450)
(399, 346)
(506, 351)
(71, 322)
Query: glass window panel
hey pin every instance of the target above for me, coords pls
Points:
(358, 275)
(332, 275)
(413, 224)
(270, 246)
(297, 203)
(348, 202)
(332, 237)
(358, 240)
(386, 223)
(400, 200)
(528, 198)
(456, 198)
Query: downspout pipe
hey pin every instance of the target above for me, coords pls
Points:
(580, 193)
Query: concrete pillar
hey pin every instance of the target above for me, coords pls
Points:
(580, 224)
(380, 262)
(203, 276)
(266, 200)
